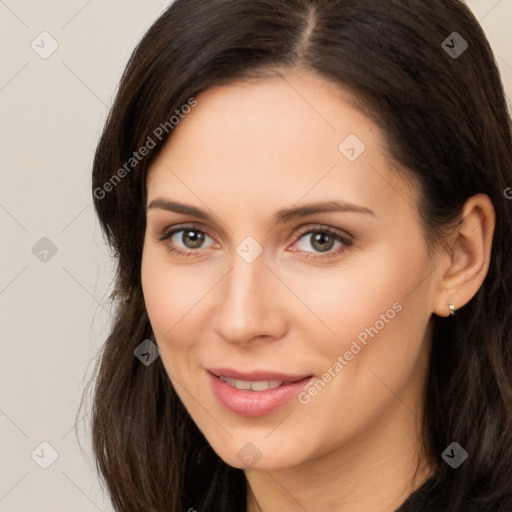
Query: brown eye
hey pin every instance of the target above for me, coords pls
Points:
(192, 239)
(184, 240)
(322, 241)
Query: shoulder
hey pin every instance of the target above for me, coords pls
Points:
(493, 503)
(429, 498)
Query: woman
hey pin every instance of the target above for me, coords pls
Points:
(307, 203)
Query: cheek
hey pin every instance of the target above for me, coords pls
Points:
(167, 294)
(177, 298)
(380, 318)
(379, 314)
(365, 293)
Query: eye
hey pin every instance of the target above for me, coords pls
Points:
(184, 239)
(323, 241)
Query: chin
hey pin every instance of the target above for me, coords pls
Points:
(265, 455)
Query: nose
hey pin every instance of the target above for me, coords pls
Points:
(251, 305)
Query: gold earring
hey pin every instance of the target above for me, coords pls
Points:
(452, 309)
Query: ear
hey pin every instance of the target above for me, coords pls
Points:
(465, 268)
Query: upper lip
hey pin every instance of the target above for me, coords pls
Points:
(256, 375)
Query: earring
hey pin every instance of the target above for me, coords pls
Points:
(452, 309)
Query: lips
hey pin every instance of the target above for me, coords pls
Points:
(255, 393)
(257, 375)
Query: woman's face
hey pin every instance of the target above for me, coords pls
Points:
(302, 266)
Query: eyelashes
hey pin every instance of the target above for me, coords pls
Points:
(324, 239)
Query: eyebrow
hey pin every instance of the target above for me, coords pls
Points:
(282, 216)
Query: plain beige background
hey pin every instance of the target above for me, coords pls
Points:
(53, 292)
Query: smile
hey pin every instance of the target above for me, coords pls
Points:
(254, 385)
(255, 397)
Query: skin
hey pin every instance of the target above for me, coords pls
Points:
(247, 150)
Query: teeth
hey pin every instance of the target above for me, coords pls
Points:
(254, 385)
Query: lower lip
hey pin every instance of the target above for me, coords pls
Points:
(255, 403)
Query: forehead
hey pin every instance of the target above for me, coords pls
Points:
(277, 111)
(277, 139)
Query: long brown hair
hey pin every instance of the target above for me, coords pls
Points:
(445, 119)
